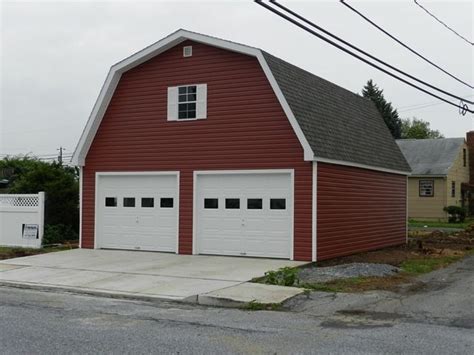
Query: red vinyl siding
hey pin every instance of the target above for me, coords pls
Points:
(358, 210)
(245, 128)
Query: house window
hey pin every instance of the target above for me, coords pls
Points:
(232, 203)
(254, 204)
(129, 202)
(166, 202)
(453, 188)
(211, 203)
(277, 204)
(464, 157)
(111, 202)
(148, 202)
(187, 102)
(426, 188)
(187, 97)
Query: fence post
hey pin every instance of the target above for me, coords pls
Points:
(41, 199)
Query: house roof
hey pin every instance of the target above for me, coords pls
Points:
(431, 156)
(332, 124)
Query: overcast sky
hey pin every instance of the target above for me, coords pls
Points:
(55, 55)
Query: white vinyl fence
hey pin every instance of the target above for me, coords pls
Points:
(22, 220)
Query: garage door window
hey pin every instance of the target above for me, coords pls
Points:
(254, 204)
(148, 202)
(111, 202)
(232, 203)
(129, 202)
(277, 203)
(166, 202)
(211, 203)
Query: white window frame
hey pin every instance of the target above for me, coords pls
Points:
(173, 102)
(423, 188)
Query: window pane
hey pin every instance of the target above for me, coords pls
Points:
(183, 114)
(191, 89)
(129, 202)
(254, 204)
(192, 107)
(191, 114)
(148, 202)
(166, 202)
(232, 203)
(182, 98)
(191, 97)
(211, 203)
(426, 188)
(182, 90)
(277, 203)
(111, 202)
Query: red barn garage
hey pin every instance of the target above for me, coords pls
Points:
(198, 145)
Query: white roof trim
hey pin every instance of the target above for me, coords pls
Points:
(149, 52)
(362, 166)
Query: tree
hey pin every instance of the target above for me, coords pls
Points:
(418, 129)
(389, 114)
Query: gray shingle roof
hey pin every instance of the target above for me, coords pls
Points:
(431, 156)
(338, 124)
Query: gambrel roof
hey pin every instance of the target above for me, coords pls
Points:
(431, 156)
(332, 124)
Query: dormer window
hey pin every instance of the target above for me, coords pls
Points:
(187, 102)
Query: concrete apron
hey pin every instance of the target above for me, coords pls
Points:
(207, 280)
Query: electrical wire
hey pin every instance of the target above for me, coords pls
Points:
(404, 45)
(444, 24)
(363, 52)
(461, 106)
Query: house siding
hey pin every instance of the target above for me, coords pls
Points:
(429, 208)
(245, 128)
(459, 174)
(358, 210)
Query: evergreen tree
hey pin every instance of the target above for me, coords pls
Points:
(389, 114)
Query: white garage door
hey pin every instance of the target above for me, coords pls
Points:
(137, 212)
(244, 214)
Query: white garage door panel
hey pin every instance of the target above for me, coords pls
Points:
(262, 232)
(144, 228)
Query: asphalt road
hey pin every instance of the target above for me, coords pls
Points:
(435, 318)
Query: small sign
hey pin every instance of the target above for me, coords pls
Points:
(30, 231)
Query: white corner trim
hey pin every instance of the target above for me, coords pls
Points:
(81, 181)
(149, 52)
(314, 217)
(362, 166)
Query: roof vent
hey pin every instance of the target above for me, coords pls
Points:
(187, 51)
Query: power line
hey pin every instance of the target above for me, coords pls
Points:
(461, 106)
(404, 45)
(444, 24)
(356, 48)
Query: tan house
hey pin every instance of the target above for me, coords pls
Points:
(440, 174)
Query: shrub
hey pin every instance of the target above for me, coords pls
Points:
(286, 276)
(455, 214)
(58, 234)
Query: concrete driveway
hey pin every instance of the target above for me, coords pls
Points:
(147, 275)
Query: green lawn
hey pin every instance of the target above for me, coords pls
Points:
(434, 224)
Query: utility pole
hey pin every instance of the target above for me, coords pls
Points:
(60, 156)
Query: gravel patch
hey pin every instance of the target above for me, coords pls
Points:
(330, 273)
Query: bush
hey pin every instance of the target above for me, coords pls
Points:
(455, 214)
(58, 234)
(286, 276)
